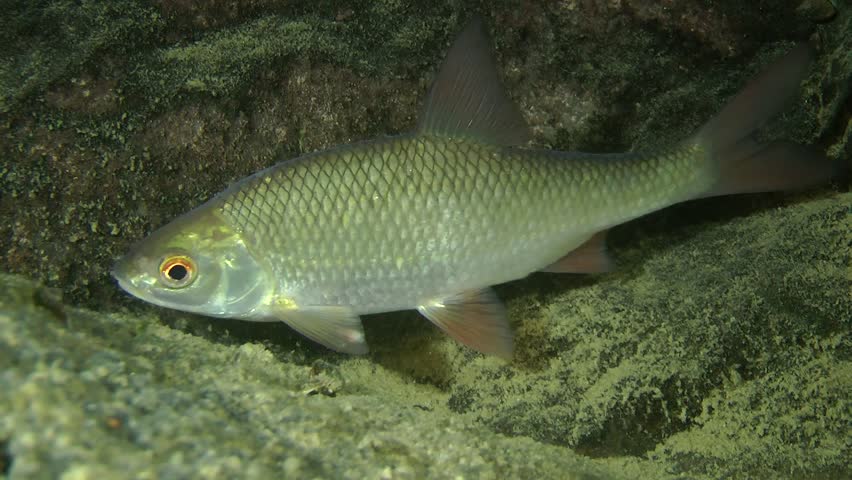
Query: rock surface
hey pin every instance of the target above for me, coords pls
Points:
(719, 348)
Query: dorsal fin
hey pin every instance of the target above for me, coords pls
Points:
(467, 99)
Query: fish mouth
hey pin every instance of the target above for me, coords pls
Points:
(124, 285)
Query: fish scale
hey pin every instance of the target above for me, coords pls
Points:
(357, 226)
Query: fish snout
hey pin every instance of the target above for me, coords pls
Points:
(119, 269)
(128, 271)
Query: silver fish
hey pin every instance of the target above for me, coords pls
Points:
(431, 219)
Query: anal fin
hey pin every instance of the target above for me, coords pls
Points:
(475, 318)
(590, 257)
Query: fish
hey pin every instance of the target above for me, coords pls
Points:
(430, 220)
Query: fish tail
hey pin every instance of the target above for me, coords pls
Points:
(743, 165)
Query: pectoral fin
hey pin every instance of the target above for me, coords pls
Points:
(337, 328)
(475, 318)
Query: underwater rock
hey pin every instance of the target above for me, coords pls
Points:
(719, 347)
(715, 351)
(95, 395)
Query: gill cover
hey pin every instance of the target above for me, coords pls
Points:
(196, 263)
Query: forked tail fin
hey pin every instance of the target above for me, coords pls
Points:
(742, 164)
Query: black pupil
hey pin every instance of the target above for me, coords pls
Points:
(177, 272)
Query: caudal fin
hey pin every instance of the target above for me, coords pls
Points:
(742, 164)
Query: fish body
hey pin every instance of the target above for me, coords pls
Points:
(429, 220)
(395, 223)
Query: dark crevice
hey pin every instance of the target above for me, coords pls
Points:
(5, 457)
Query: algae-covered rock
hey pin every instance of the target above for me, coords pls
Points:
(91, 395)
(719, 348)
(715, 353)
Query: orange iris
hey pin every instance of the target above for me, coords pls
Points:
(177, 271)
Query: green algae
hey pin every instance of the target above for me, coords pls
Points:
(117, 394)
(718, 349)
(47, 42)
(157, 115)
(645, 374)
(641, 360)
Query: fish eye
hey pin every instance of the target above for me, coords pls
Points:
(177, 271)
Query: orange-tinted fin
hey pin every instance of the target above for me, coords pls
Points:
(337, 328)
(741, 164)
(467, 99)
(590, 257)
(475, 318)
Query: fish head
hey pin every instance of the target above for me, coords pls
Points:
(199, 264)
